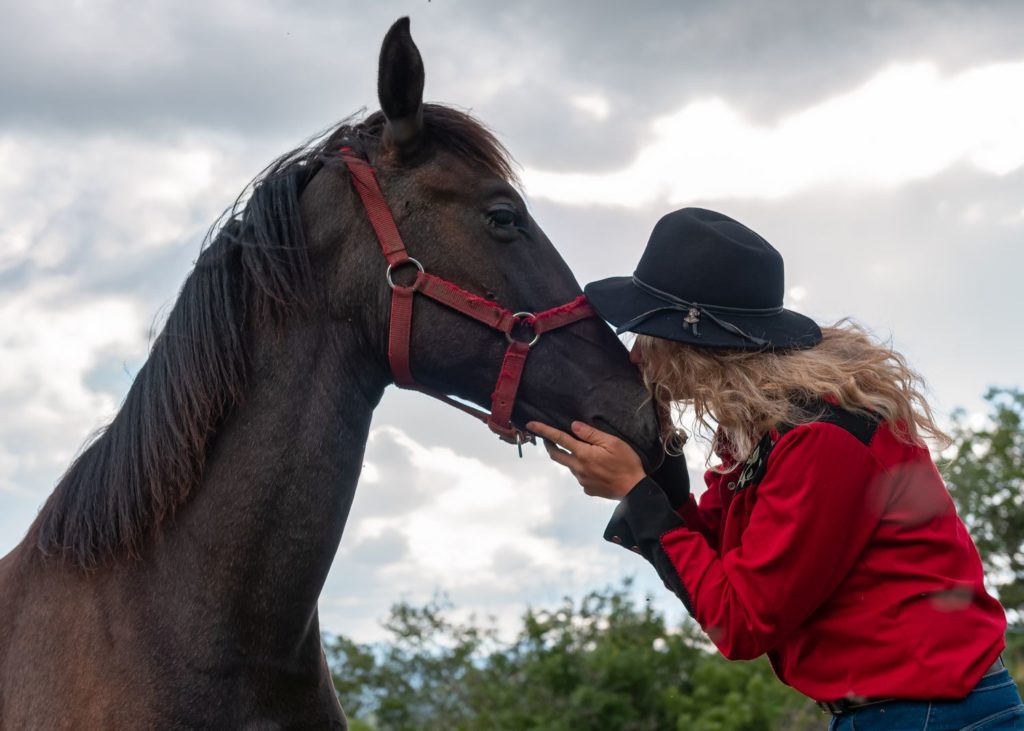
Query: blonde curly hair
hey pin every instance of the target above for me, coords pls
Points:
(747, 393)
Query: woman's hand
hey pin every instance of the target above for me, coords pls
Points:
(603, 464)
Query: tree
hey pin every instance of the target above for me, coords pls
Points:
(419, 681)
(985, 476)
(600, 663)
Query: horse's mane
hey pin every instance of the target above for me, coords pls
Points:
(253, 270)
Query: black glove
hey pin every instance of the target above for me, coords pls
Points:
(644, 516)
(674, 479)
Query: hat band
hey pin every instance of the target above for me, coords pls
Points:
(694, 311)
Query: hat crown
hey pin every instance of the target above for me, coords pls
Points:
(707, 280)
(705, 257)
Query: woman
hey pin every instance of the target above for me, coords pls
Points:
(826, 538)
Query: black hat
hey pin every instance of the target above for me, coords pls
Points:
(706, 280)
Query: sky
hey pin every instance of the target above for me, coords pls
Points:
(877, 145)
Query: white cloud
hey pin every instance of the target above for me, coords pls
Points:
(906, 123)
(595, 105)
(493, 537)
(795, 295)
(476, 513)
(77, 213)
(135, 193)
(975, 213)
(1013, 219)
(49, 349)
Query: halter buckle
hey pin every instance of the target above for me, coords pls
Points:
(520, 317)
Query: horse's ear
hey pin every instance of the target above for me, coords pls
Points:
(400, 86)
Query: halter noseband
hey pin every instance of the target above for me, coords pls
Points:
(499, 420)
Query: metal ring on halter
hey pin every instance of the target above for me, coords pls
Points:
(410, 260)
(536, 335)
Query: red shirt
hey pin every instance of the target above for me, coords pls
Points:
(847, 564)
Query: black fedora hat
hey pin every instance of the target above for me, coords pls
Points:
(707, 280)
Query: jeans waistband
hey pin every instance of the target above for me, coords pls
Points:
(846, 705)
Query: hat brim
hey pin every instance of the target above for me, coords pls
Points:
(618, 300)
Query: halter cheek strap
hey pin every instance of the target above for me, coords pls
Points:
(499, 420)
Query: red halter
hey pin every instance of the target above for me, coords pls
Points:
(450, 295)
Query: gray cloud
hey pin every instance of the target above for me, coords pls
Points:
(270, 69)
(934, 264)
(651, 57)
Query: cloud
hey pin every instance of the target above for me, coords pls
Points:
(474, 511)
(493, 537)
(98, 232)
(651, 58)
(284, 70)
(49, 350)
(252, 66)
(596, 105)
(906, 123)
(60, 194)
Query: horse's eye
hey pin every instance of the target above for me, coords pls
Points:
(502, 217)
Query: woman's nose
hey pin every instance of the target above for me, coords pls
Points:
(634, 355)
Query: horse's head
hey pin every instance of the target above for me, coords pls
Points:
(450, 187)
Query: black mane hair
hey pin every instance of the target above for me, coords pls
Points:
(254, 271)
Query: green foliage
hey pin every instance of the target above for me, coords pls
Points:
(743, 696)
(421, 680)
(600, 663)
(985, 475)
(354, 724)
(1013, 656)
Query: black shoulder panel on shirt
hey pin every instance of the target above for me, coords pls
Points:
(861, 426)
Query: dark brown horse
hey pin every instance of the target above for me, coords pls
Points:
(171, 580)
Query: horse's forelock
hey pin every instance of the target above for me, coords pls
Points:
(445, 127)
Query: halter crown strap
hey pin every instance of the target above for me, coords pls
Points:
(451, 295)
(365, 182)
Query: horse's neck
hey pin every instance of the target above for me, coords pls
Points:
(257, 539)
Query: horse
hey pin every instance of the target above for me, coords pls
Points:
(171, 579)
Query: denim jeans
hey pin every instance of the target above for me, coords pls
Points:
(993, 705)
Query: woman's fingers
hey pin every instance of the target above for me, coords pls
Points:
(605, 442)
(561, 457)
(602, 463)
(589, 434)
(563, 440)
